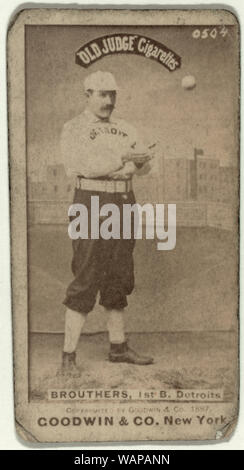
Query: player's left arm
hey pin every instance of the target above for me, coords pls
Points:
(124, 173)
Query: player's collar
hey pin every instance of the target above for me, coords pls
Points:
(93, 118)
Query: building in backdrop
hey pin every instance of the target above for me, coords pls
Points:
(228, 184)
(176, 179)
(207, 173)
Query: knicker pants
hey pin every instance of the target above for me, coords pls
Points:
(98, 265)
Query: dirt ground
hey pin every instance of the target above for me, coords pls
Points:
(188, 360)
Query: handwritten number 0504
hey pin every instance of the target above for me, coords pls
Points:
(209, 33)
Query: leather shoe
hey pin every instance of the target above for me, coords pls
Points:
(69, 367)
(128, 355)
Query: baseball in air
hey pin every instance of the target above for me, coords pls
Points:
(188, 82)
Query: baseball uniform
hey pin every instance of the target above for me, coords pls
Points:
(93, 148)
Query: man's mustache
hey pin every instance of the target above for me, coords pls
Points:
(108, 108)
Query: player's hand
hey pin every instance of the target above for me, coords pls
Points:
(124, 173)
(138, 158)
(126, 157)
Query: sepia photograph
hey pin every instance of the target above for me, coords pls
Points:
(130, 177)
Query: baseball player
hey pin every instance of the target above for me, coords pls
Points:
(96, 150)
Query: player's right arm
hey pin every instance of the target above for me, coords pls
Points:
(68, 151)
(81, 157)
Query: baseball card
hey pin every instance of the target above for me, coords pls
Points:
(124, 190)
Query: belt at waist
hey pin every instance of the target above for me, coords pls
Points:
(108, 186)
